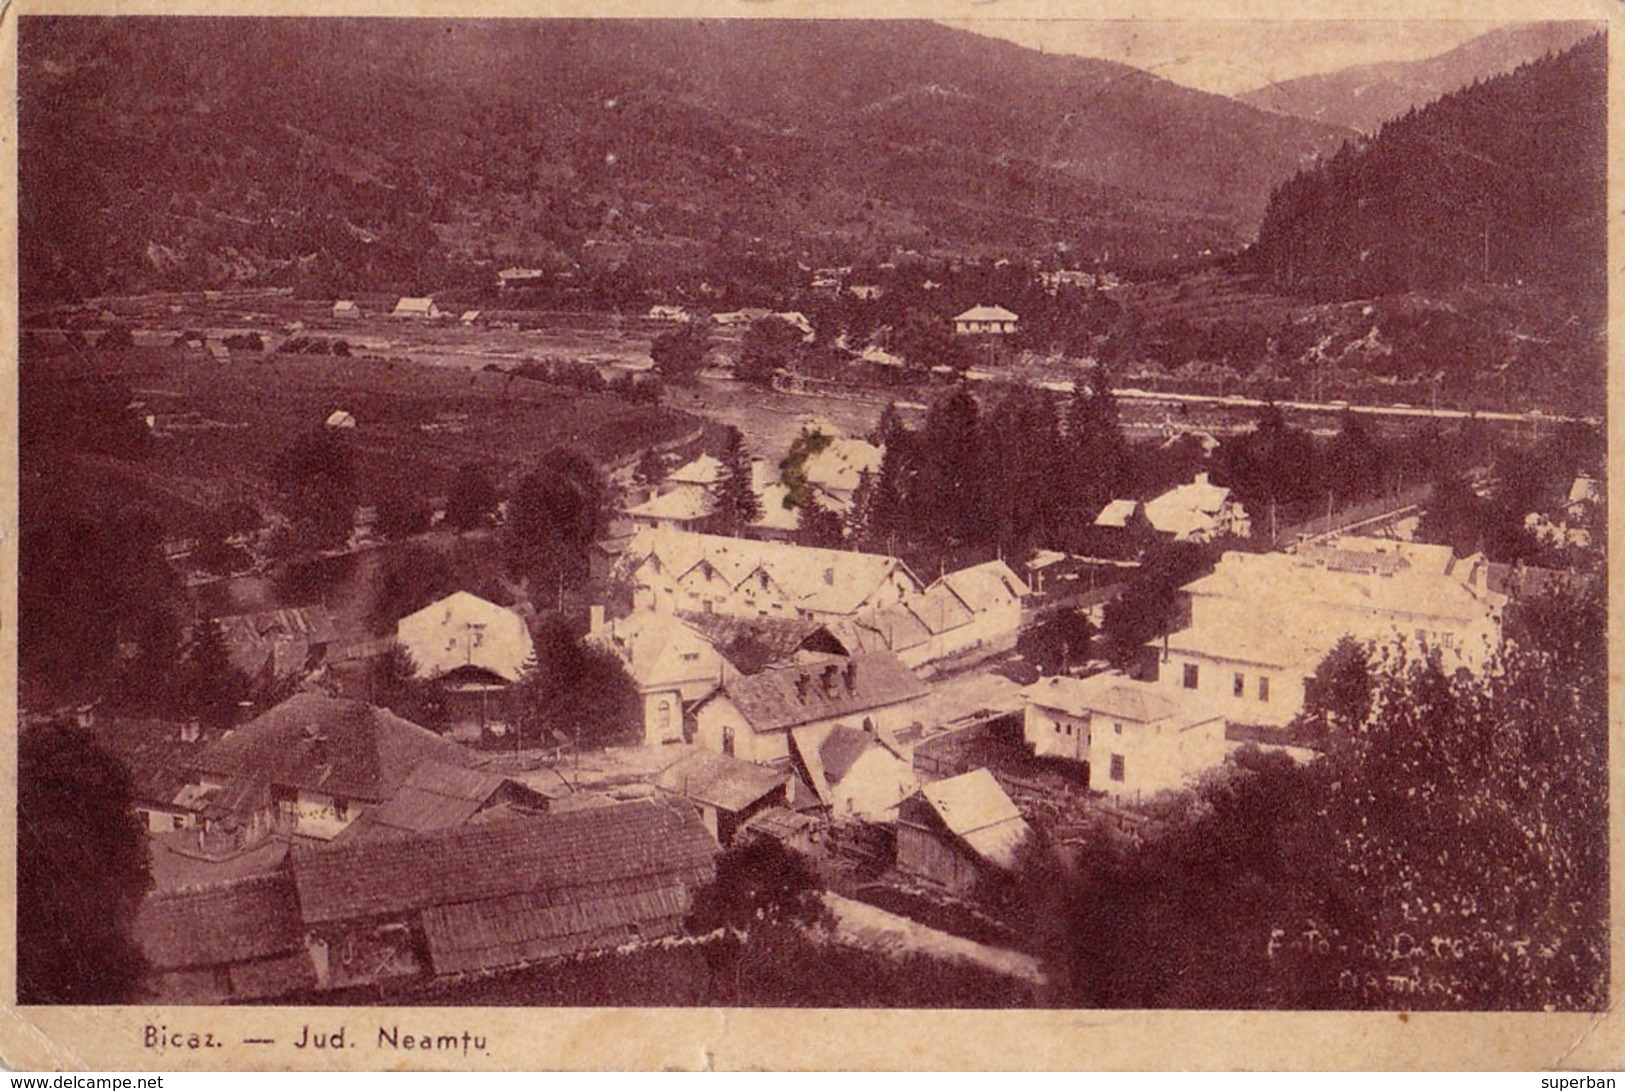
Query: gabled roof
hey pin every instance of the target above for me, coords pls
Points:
(982, 312)
(840, 465)
(330, 745)
(434, 796)
(705, 470)
(560, 856)
(718, 780)
(256, 917)
(751, 644)
(687, 504)
(464, 630)
(975, 808)
(829, 753)
(1117, 513)
(784, 697)
(985, 586)
(414, 305)
(655, 647)
(829, 581)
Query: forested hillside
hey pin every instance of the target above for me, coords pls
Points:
(398, 154)
(1502, 183)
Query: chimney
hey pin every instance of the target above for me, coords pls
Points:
(831, 673)
(595, 623)
(851, 674)
(1201, 478)
(829, 576)
(803, 680)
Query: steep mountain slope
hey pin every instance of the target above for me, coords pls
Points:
(1364, 96)
(1503, 182)
(1489, 208)
(386, 152)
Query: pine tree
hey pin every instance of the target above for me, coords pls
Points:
(737, 503)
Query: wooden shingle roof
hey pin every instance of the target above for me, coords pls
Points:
(337, 747)
(784, 697)
(237, 921)
(554, 854)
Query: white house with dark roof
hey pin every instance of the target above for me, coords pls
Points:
(464, 635)
(751, 716)
(985, 319)
(1138, 738)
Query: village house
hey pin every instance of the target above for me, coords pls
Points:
(957, 832)
(855, 773)
(475, 650)
(751, 716)
(346, 309)
(961, 618)
(673, 666)
(665, 312)
(500, 895)
(233, 942)
(983, 319)
(420, 307)
(438, 796)
(673, 571)
(726, 791)
(310, 766)
(836, 470)
(159, 755)
(514, 278)
(1261, 623)
(340, 419)
(277, 644)
(1137, 738)
(688, 508)
(1198, 512)
(778, 521)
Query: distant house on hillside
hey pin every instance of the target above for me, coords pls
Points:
(346, 309)
(514, 278)
(955, 832)
(415, 307)
(686, 508)
(469, 318)
(984, 319)
(340, 418)
(664, 312)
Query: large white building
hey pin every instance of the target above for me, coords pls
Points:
(1261, 623)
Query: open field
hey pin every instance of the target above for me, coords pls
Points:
(415, 423)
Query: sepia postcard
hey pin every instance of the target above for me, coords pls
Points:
(961, 536)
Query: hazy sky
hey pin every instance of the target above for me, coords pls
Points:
(1229, 56)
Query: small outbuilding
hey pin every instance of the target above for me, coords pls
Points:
(957, 831)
